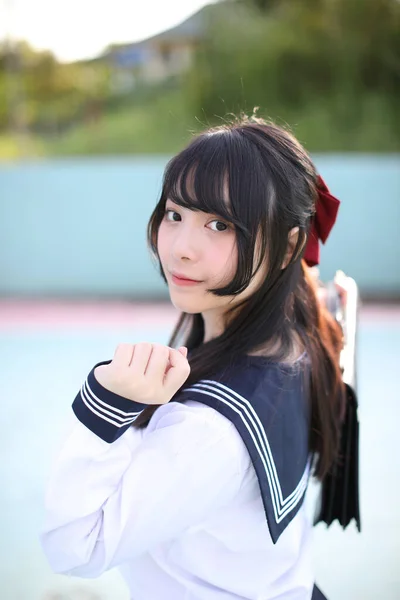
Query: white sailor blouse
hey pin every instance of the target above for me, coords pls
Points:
(206, 502)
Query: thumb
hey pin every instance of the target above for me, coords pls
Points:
(183, 350)
(178, 371)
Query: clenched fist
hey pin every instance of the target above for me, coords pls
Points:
(145, 373)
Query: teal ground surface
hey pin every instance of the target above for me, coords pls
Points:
(41, 372)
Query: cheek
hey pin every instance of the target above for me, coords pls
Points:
(162, 243)
(223, 259)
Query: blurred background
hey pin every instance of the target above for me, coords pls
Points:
(94, 100)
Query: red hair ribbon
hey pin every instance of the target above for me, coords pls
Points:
(326, 210)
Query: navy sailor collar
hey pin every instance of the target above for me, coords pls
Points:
(267, 403)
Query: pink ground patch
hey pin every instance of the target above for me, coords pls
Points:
(43, 314)
(49, 314)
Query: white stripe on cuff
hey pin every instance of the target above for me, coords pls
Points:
(95, 405)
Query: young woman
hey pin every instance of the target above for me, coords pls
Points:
(189, 471)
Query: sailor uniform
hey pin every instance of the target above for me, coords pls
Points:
(205, 503)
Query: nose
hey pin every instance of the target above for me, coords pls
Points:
(186, 243)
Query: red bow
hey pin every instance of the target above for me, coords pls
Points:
(327, 207)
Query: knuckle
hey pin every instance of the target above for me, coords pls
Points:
(145, 346)
(161, 350)
(164, 352)
(123, 346)
(121, 352)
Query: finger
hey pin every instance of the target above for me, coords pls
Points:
(141, 357)
(158, 363)
(183, 350)
(177, 373)
(123, 355)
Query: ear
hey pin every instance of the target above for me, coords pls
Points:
(292, 241)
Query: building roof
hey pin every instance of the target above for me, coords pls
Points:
(192, 28)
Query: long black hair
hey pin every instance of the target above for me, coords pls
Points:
(270, 181)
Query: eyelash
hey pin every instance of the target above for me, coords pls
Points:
(171, 211)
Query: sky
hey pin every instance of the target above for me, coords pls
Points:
(75, 29)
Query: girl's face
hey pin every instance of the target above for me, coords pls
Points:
(200, 247)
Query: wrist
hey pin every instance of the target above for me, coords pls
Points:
(100, 374)
(105, 413)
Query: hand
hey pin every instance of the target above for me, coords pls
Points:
(145, 373)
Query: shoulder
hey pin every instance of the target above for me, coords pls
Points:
(252, 384)
(193, 424)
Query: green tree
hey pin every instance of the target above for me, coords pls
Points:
(324, 56)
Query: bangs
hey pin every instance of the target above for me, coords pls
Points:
(200, 178)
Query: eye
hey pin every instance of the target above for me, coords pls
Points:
(219, 226)
(172, 215)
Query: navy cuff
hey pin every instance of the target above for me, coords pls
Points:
(106, 414)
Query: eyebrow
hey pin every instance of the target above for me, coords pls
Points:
(193, 209)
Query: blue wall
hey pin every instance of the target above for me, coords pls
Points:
(77, 226)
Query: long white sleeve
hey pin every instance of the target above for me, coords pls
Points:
(108, 503)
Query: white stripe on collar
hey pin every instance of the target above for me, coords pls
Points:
(282, 506)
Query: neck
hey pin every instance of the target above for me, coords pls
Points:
(213, 324)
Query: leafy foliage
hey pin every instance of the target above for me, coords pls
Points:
(329, 68)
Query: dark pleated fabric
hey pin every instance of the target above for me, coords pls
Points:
(340, 488)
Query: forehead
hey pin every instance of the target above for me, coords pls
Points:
(197, 188)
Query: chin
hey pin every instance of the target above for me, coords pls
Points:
(187, 304)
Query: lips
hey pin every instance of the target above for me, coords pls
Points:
(184, 277)
(178, 279)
